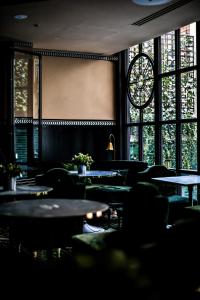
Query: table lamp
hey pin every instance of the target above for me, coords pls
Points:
(111, 144)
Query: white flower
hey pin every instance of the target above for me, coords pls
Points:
(82, 159)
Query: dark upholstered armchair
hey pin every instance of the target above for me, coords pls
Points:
(158, 171)
(145, 220)
(146, 211)
(176, 201)
(166, 189)
(64, 184)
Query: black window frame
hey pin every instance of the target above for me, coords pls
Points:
(158, 122)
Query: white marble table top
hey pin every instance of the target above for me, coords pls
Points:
(181, 180)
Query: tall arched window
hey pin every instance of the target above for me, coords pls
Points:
(165, 132)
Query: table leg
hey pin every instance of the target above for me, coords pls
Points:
(190, 193)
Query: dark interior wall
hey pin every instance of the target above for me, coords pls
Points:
(60, 143)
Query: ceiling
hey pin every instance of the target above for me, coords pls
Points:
(104, 26)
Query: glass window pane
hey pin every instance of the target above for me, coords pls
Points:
(168, 52)
(26, 86)
(134, 143)
(35, 88)
(133, 51)
(134, 114)
(169, 145)
(188, 45)
(21, 152)
(141, 80)
(149, 144)
(21, 103)
(189, 146)
(148, 48)
(189, 95)
(35, 142)
(21, 69)
(149, 112)
(168, 98)
(21, 85)
(26, 106)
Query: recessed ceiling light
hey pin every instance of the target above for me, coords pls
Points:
(20, 17)
(150, 2)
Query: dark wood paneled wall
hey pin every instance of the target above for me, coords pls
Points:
(60, 143)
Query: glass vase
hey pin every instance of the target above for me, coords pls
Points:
(10, 184)
(82, 170)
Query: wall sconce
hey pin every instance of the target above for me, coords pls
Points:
(111, 144)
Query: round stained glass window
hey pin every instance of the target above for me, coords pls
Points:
(140, 81)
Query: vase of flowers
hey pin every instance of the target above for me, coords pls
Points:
(82, 161)
(9, 174)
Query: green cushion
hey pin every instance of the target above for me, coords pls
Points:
(107, 193)
(178, 198)
(91, 241)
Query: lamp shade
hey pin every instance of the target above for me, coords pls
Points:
(110, 146)
(150, 2)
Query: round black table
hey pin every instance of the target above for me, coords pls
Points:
(50, 208)
(24, 190)
(46, 223)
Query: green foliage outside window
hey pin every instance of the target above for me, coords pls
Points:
(169, 145)
(21, 85)
(149, 144)
(189, 146)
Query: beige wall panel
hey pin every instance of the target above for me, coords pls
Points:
(75, 88)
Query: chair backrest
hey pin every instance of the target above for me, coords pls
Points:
(64, 184)
(166, 189)
(146, 212)
(58, 177)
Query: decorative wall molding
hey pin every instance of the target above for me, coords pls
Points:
(22, 44)
(74, 54)
(78, 123)
(26, 121)
(28, 46)
(65, 122)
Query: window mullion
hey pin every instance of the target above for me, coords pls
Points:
(178, 99)
(198, 93)
(157, 97)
